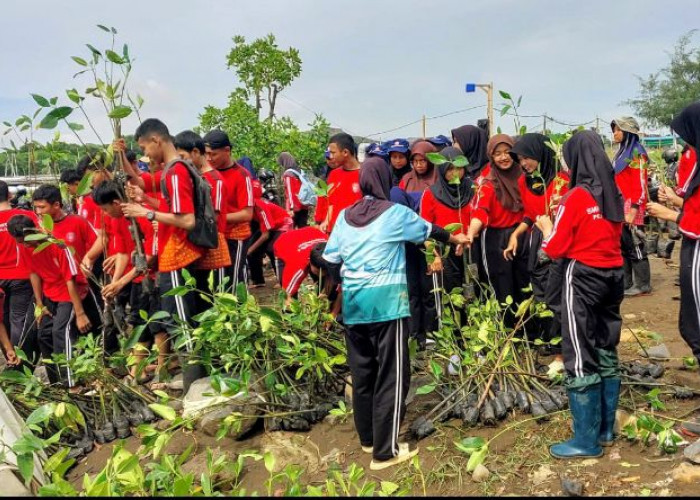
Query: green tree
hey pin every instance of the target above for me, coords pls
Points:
(264, 69)
(665, 93)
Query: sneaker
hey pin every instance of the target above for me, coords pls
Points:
(368, 449)
(430, 344)
(404, 454)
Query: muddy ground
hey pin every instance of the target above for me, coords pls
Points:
(518, 459)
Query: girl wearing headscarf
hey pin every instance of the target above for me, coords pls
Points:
(687, 126)
(472, 140)
(630, 164)
(541, 187)
(424, 317)
(292, 185)
(497, 212)
(587, 234)
(447, 202)
(399, 152)
(368, 240)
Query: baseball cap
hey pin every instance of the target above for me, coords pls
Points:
(327, 154)
(626, 124)
(375, 149)
(217, 139)
(439, 140)
(397, 145)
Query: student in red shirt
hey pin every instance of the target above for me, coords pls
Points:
(344, 179)
(292, 185)
(541, 188)
(7, 348)
(239, 201)
(687, 126)
(273, 221)
(630, 163)
(60, 293)
(587, 233)
(471, 141)
(139, 297)
(14, 273)
(447, 203)
(175, 219)
(322, 201)
(71, 179)
(497, 212)
(293, 255)
(190, 146)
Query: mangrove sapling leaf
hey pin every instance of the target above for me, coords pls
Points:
(163, 411)
(470, 445)
(120, 112)
(79, 60)
(505, 95)
(436, 158)
(425, 389)
(505, 109)
(453, 227)
(477, 458)
(36, 237)
(460, 161)
(41, 101)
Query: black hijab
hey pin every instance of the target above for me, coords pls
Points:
(375, 183)
(472, 140)
(687, 126)
(454, 196)
(398, 173)
(592, 170)
(535, 146)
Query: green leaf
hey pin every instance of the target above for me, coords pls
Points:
(120, 112)
(470, 445)
(80, 60)
(425, 389)
(453, 227)
(41, 101)
(114, 57)
(94, 51)
(76, 127)
(436, 158)
(74, 96)
(47, 222)
(504, 94)
(158, 316)
(269, 459)
(25, 464)
(163, 411)
(103, 28)
(85, 185)
(41, 414)
(460, 161)
(505, 109)
(36, 237)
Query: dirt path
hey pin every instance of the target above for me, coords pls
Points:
(518, 459)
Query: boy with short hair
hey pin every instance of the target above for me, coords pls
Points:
(344, 179)
(176, 218)
(239, 202)
(60, 293)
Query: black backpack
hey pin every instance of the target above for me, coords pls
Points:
(205, 232)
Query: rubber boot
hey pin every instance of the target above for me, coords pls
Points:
(627, 266)
(642, 279)
(585, 405)
(610, 395)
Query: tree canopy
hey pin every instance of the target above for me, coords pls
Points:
(665, 93)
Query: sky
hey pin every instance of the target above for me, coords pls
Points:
(369, 66)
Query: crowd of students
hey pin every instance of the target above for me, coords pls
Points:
(568, 227)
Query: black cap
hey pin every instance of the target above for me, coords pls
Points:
(217, 139)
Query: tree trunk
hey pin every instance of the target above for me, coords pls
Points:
(272, 92)
(258, 104)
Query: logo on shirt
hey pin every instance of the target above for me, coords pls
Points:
(355, 187)
(70, 237)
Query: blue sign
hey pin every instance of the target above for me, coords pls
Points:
(471, 87)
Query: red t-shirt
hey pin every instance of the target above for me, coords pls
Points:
(483, 174)
(219, 195)
(240, 196)
(343, 191)
(582, 233)
(77, 232)
(56, 266)
(292, 185)
(294, 249)
(90, 211)
(321, 209)
(175, 251)
(686, 167)
(490, 211)
(12, 263)
(535, 204)
(271, 217)
(257, 188)
(632, 183)
(120, 240)
(437, 213)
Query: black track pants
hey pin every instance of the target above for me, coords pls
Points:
(378, 359)
(633, 248)
(237, 272)
(421, 298)
(590, 316)
(689, 317)
(18, 299)
(506, 277)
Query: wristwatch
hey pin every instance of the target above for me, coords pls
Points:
(151, 215)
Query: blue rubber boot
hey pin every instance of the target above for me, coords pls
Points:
(610, 395)
(585, 404)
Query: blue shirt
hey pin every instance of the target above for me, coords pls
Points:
(374, 264)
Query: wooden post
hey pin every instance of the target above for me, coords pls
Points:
(424, 127)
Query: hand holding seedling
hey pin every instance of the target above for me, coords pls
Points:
(134, 210)
(661, 212)
(544, 223)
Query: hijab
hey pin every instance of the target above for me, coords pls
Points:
(505, 182)
(472, 141)
(591, 170)
(629, 149)
(414, 181)
(454, 196)
(247, 163)
(535, 146)
(287, 162)
(687, 126)
(375, 183)
(399, 173)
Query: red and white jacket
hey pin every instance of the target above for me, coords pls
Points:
(632, 183)
(292, 185)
